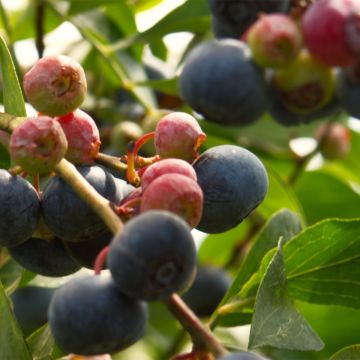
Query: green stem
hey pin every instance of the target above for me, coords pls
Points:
(200, 334)
(111, 162)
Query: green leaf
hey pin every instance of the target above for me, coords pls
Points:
(41, 343)
(159, 49)
(323, 196)
(284, 224)
(168, 86)
(192, 16)
(141, 5)
(4, 157)
(217, 249)
(276, 321)
(12, 95)
(10, 272)
(323, 263)
(349, 353)
(279, 196)
(13, 345)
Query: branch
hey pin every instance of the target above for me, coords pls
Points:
(201, 336)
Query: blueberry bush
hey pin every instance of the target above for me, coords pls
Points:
(180, 180)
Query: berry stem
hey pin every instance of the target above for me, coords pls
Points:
(131, 173)
(200, 334)
(112, 162)
(87, 193)
(36, 182)
(100, 260)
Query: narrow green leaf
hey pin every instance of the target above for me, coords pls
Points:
(12, 95)
(168, 86)
(13, 345)
(235, 319)
(95, 27)
(192, 16)
(323, 263)
(276, 321)
(349, 353)
(41, 343)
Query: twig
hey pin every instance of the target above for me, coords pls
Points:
(201, 336)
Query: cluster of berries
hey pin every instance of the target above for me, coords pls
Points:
(160, 199)
(299, 66)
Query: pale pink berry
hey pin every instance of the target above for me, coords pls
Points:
(167, 166)
(176, 193)
(56, 85)
(38, 144)
(178, 135)
(82, 135)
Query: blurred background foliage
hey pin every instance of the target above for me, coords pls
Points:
(132, 52)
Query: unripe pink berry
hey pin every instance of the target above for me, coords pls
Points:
(306, 85)
(275, 40)
(325, 34)
(38, 144)
(56, 85)
(178, 135)
(176, 193)
(335, 140)
(167, 166)
(82, 135)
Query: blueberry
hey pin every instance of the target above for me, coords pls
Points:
(348, 91)
(222, 30)
(30, 305)
(234, 182)
(89, 316)
(240, 14)
(44, 257)
(220, 81)
(242, 356)
(211, 281)
(153, 256)
(286, 117)
(85, 252)
(69, 217)
(19, 210)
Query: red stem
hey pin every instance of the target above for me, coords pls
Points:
(100, 260)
